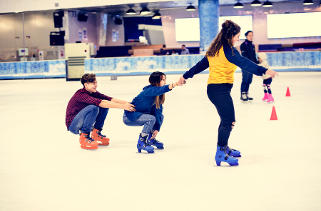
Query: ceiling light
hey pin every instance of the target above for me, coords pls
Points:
(256, 3)
(307, 2)
(131, 11)
(238, 5)
(267, 3)
(190, 8)
(156, 15)
(145, 11)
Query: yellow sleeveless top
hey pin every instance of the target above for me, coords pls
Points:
(220, 69)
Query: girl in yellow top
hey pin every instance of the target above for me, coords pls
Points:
(222, 59)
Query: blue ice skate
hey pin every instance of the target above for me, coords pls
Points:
(143, 145)
(222, 156)
(157, 144)
(233, 152)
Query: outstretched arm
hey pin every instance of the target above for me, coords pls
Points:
(111, 104)
(199, 67)
(173, 85)
(159, 90)
(119, 101)
(233, 56)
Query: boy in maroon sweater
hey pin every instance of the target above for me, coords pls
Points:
(87, 111)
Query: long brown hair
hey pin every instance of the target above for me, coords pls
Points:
(228, 31)
(155, 79)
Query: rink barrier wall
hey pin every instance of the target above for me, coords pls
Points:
(174, 64)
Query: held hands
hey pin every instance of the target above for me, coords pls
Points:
(173, 85)
(129, 107)
(181, 81)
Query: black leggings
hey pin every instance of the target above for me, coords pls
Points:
(220, 96)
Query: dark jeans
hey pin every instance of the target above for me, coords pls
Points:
(87, 118)
(220, 96)
(246, 81)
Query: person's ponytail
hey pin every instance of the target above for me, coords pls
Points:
(228, 31)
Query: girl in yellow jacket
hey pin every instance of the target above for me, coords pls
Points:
(222, 59)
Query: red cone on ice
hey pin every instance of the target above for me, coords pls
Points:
(273, 114)
(288, 94)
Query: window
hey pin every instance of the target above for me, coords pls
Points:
(188, 29)
(294, 25)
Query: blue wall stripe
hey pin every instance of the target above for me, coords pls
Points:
(174, 64)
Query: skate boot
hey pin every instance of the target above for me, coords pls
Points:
(157, 144)
(233, 152)
(100, 138)
(249, 98)
(86, 142)
(270, 98)
(143, 145)
(266, 97)
(244, 96)
(222, 156)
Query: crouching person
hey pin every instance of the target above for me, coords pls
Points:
(87, 111)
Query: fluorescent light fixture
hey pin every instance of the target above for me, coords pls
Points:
(156, 15)
(307, 2)
(190, 8)
(267, 3)
(238, 5)
(256, 3)
(145, 11)
(131, 11)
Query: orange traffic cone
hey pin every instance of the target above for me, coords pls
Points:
(288, 94)
(273, 114)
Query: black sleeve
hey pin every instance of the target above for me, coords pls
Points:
(244, 50)
(233, 56)
(199, 67)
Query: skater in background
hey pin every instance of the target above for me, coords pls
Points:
(248, 51)
(87, 110)
(266, 82)
(222, 59)
(149, 112)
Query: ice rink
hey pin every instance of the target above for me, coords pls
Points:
(43, 168)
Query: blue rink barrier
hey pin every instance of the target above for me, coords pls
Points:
(174, 64)
(33, 69)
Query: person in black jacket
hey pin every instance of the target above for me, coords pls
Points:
(248, 51)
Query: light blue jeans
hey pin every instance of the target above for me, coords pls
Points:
(89, 117)
(147, 120)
